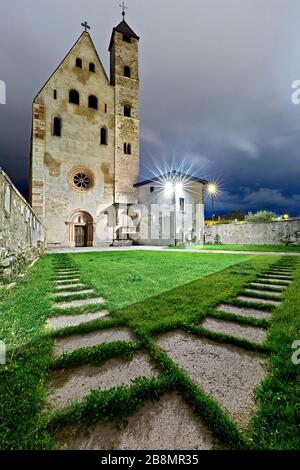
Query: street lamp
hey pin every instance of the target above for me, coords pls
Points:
(212, 191)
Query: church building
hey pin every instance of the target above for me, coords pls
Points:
(84, 162)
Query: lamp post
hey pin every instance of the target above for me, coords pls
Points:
(212, 190)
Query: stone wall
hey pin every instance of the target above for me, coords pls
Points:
(272, 233)
(21, 233)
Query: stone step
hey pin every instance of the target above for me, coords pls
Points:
(72, 293)
(86, 340)
(243, 311)
(68, 280)
(277, 276)
(282, 282)
(164, 424)
(69, 286)
(227, 373)
(57, 323)
(63, 276)
(72, 385)
(232, 328)
(273, 286)
(263, 292)
(80, 303)
(258, 300)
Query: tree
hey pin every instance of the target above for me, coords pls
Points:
(234, 215)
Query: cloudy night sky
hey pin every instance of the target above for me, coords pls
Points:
(216, 81)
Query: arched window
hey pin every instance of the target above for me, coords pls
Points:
(93, 102)
(92, 67)
(127, 148)
(74, 97)
(57, 126)
(127, 71)
(127, 111)
(103, 136)
(79, 63)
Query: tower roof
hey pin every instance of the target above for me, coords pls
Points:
(123, 28)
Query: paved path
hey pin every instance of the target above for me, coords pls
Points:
(163, 248)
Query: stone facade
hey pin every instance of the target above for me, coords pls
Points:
(271, 233)
(68, 142)
(21, 232)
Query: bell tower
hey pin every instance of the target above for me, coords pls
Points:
(124, 77)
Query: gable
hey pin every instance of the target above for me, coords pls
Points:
(84, 48)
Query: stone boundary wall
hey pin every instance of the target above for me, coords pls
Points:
(21, 232)
(271, 233)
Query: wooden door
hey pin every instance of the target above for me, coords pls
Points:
(80, 235)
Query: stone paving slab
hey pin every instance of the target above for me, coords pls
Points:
(244, 311)
(164, 424)
(69, 286)
(277, 276)
(268, 293)
(72, 385)
(63, 276)
(258, 300)
(67, 280)
(63, 321)
(70, 293)
(251, 333)
(261, 284)
(80, 303)
(283, 282)
(93, 338)
(227, 373)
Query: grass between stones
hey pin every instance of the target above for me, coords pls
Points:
(149, 293)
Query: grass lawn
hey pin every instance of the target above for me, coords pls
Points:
(149, 292)
(273, 248)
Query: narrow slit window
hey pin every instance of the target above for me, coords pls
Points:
(103, 136)
(57, 127)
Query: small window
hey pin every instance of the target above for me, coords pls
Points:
(57, 127)
(127, 71)
(74, 97)
(103, 136)
(55, 94)
(151, 189)
(93, 102)
(127, 111)
(127, 149)
(181, 204)
(92, 67)
(105, 108)
(126, 38)
(79, 63)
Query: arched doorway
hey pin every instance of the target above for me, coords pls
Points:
(81, 229)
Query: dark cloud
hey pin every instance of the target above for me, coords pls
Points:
(215, 87)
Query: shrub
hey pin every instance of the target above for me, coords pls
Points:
(260, 216)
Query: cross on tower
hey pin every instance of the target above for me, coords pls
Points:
(86, 26)
(123, 9)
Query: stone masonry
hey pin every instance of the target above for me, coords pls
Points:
(21, 232)
(273, 233)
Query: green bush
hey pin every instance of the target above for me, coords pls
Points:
(260, 216)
